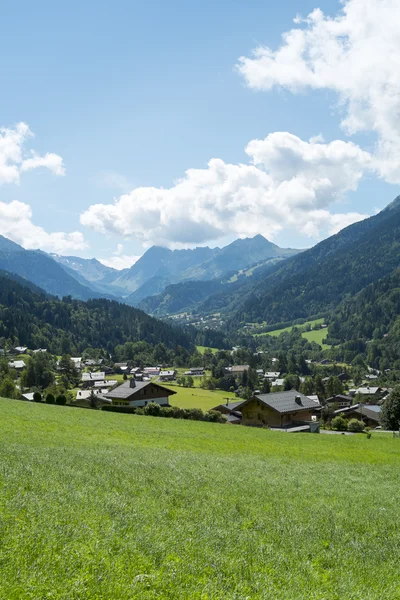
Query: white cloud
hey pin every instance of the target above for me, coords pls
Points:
(119, 260)
(291, 184)
(356, 54)
(13, 159)
(16, 224)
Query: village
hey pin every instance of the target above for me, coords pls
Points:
(323, 398)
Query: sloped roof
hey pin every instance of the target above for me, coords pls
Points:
(125, 391)
(284, 402)
(363, 410)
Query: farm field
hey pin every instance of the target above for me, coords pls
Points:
(316, 335)
(99, 505)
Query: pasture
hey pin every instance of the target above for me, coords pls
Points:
(98, 505)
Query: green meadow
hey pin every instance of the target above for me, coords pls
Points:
(97, 505)
(198, 398)
(316, 335)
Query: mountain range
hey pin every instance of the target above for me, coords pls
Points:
(151, 274)
(250, 280)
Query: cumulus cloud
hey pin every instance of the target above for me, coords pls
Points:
(355, 54)
(289, 183)
(16, 224)
(14, 159)
(119, 260)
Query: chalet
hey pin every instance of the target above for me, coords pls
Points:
(368, 413)
(151, 371)
(370, 391)
(234, 417)
(139, 393)
(278, 409)
(20, 349)
(339, 400)
(17, 364)
(277, 383)
(272, 375)
(89, 379)
(121, 367)
(237, 369)
(39, 351)
(77, 362)
(167, 375)
(82, 398)
(195, 372)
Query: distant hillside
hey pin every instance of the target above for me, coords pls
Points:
(318, 279)
(41, 270)
(69, 325)
(205, 297)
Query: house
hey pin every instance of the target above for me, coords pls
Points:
(105, 383)
(39, 351)
(151, 371)
(20, 349)
(234, 417)
(89, 379)
(237, 369)
(315, 398)
(277, 383)
(368, 413)
(77, 362)
(370, 391)
(139, 393)
(167, 375)
(278, 409)
(370, 377)
(28, 397)
(195, 372)
(272, 375)
(339, 400)
(82, 398)
(17, 364)
(121, 367)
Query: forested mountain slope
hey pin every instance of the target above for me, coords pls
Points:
(318, 279)
(37, 320)
(43, 271)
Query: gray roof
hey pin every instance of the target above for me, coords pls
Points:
(125, 390)
(363, 410)
(285, 402)
(231, 406)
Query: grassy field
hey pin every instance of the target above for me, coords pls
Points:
(202, 349)
(100, 506)
(198, 398)
(317, 336)
(277, 332)
(312, 336)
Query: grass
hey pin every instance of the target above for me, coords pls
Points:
(97, 506)
(317, 335)
(197, 398)
(202, 349)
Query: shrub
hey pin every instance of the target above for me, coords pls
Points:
(194, 414)
(152, 409)
(37, 397)
(50, 399)
(339, 423)
(61, 400)
(214, 416)
(355, 426)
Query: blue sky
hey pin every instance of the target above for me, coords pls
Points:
(132, 94)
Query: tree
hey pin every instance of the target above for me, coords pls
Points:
(266, 386)
(334, 387)
(189, 381)
(37, 397)
(8, 389)
(390, 411)
(50, 399)
(61, 400)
